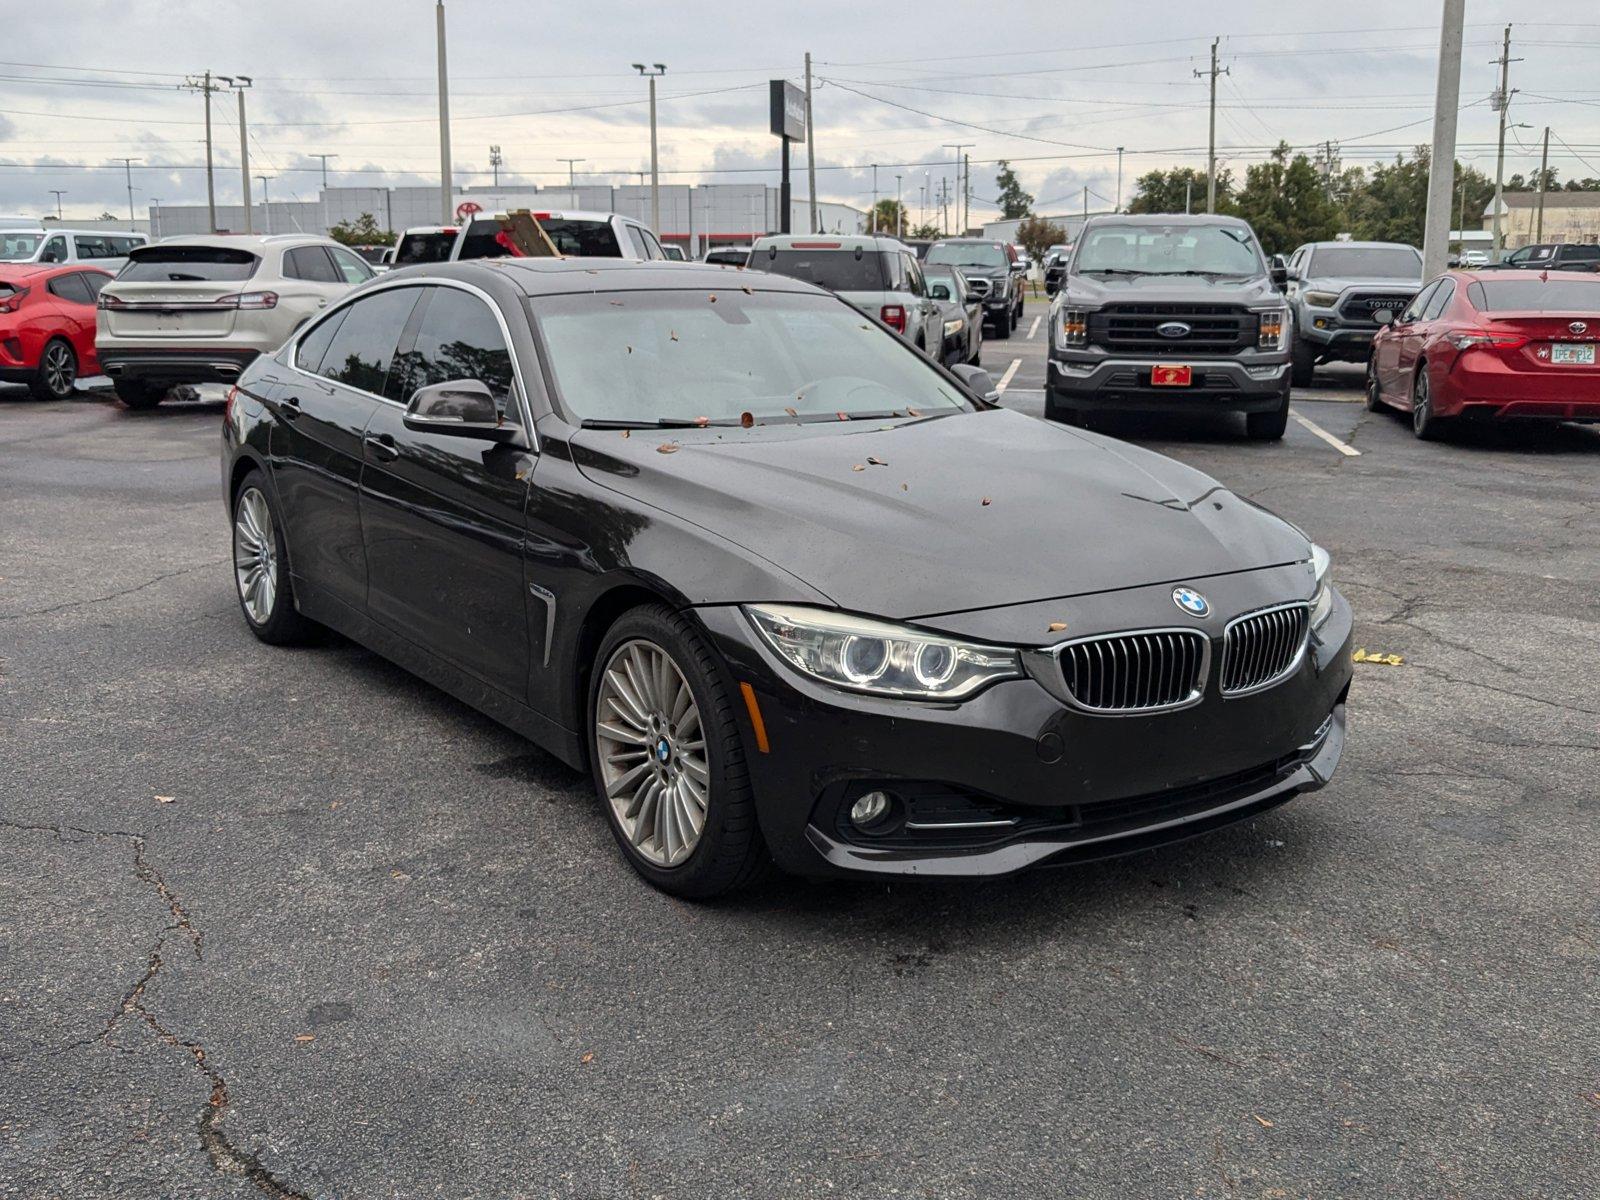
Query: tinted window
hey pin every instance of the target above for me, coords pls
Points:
(1366, 262)
(55, 250)
(481, 239)
(838, 270)
(309, 263)
(1581, 253)
(93, 246)
(586, 239)
(72, 288)
(1534, 295)
(1441, 297)
(94, 281)
(180, 264)
(1419, 302)
(360, 353)
(121, 245)
(458, 338)
(431, 246)
(652, 248)
(314, 346)
(350, 265)
(1531, 254)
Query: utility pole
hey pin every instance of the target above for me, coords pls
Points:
(899, 208)
(155, 216)
(58, 193)
(572, 176)
(1211, 143)
(239, 83)
(495, 162)
(324, 158)
(957, 148)
(1442, 163)
(127, 168)
(1544, 170)
(1119, 178)
(1085, 202)
(872, 213)
(811, 150)
(204, 85)
(446, 208)
(655, 70)
(1501, 101)
(1188, 196)
(266, 203)
(966, 193)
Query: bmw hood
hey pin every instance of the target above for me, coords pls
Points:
(943, 515)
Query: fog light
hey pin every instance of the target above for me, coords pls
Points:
(1321, 323)
(869, 809)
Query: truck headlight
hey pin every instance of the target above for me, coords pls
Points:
(1274, 329)
(1073, 329)
(953, 326)
(1322, 299)
(860, 654)
(1322, 595)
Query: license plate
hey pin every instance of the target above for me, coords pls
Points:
(1174, 376)
(1566, 352)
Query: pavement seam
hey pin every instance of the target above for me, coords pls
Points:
(139, 587)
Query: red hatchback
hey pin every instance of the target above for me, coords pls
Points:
(1492, 344)
(47, 325)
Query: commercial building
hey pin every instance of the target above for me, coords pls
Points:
(694, 216)
(1568, 217)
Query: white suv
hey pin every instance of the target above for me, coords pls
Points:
(199, 309)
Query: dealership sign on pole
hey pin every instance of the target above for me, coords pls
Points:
(788, 125)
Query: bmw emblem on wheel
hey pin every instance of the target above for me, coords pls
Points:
(1191, 601)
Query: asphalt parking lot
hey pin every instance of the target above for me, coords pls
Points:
(292, 923)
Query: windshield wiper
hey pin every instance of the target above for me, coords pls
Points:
(1110, 271)
(658, 423)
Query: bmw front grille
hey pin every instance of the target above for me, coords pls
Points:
(1262, 648)
(1152, 670)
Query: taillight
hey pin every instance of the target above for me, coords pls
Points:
(248, 300)
(227, 404)
(11, 301)
(107, 300)
(894, 316)
(1466, 339)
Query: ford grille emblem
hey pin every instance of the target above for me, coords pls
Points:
(1579, 327)
(1191, 601)
(1173, 329)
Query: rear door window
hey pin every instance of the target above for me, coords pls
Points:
(361, 352)
(350, 265)
(72, 288)
(837, 270)
(310, 263)
(314, 345)
(93, 246)
(1441, 297)
(55, 250)
(188, 264)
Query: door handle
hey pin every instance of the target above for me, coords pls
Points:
(381, 446)
(289, 408)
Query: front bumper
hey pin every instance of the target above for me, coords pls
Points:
(1100, 383)
(1071, 786)
(1336, 338)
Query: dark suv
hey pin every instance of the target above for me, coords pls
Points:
(992, 275)
(1170, 314)
(1552, 256)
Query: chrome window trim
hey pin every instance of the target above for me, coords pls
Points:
(1044, 666)
(1287, 672)
(291, 348)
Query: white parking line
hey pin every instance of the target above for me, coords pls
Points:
(1343, 448)
(1034, 328)
(1005, 379)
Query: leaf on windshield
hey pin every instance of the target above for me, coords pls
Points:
(791, 412)
(713, 297)
(987, 502)
(747, 289)
(702, 421)
(875, 461)
(859, 467)
(672, 448)
(618, 303)
(625, 433)
(674, 334)
(630, 349)
(905, 487)
(746, 420)
(843, 416)
(911, 412)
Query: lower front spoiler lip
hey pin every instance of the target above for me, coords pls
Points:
(1311, 774)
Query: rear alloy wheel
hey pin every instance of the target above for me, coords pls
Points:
(58, 372)
(260, 568)
(137, 394)
(1375, 401)
(668, 760)
(1424, 422)
(1269, 426)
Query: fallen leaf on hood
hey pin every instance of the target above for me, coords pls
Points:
(911, 412)
(747, 419)
(1057, 626)
(702, 421)
(618, 303)
(747, 289)
(305, 1037)
(165, 799)
(673, 333)
(713, 297)
(1265, 1124)
(791, 412)
(859, 467)
(842, 416)
(987, 502)
(905, 487)
(667, 448)
(626, 433)
(875, 461)
(630, 349)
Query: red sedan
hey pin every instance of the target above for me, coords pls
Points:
(47, 325)
(1492, 344)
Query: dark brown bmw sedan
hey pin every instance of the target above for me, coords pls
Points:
(788, 590)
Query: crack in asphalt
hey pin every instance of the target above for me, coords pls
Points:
(128, 591)
(223, 1154)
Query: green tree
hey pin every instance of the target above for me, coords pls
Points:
(886, 217)
(1286, 202)
(1167, 191)
(1014, 202)
(1392, 207)
(1036, 235)
(927, 231)
(363, 231)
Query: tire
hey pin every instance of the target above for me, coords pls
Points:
(1427, 426)
(1002, 327)
(137, 394)
(1375, 400)
(728, 851)
(1303, 361)
(58, 371)
(260, 554)
(1268, 426)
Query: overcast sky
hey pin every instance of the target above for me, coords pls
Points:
(1054, 87)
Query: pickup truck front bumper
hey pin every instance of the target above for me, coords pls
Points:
(1109, 384)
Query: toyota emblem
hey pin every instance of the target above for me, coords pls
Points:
(1579, 327)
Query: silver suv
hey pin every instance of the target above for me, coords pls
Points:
(200, 309)
(878, 275)
(1337, 290)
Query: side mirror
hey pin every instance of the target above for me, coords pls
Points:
(1384, 316)
(977, 380)
(1051, 287)
(461, 407)
(938, 291)
(1279, 272)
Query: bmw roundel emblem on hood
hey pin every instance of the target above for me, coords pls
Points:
(1191, 601)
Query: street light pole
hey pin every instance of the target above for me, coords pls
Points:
(127, 168)
(651, 73)
(1442, 164)
(446, 209)
(324, 158)
(204, 85)
(266, 202)
(58, 193)
(899, 208)
(495, 162)
(572, 176)
(239, 83)
(1119, 178)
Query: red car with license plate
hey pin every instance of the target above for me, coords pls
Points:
(47, 325)
(1491, 345)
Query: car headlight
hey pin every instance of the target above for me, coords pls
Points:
(953, 326)
(863, 655)
(1322, 299)
(1322, 596)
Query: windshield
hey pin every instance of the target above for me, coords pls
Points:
(1365, 262)
(969, 254)
(188, 264)
(676, 357)
(19, 245)
(836, 270)
(1170, 250)
(1534, 295)
(430, 247)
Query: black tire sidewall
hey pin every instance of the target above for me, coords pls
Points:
(42, 388)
